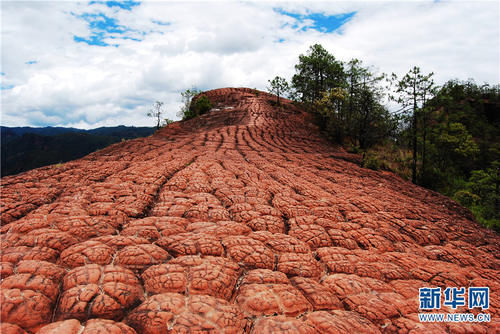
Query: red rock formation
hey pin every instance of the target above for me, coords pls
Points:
(242, 220)
(98, 291)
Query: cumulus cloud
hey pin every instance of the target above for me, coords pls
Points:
(99, 64)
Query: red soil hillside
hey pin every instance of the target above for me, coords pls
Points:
(241, 221)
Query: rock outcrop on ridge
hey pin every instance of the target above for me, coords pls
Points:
(240, 221)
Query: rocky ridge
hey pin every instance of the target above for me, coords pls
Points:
(240, 221)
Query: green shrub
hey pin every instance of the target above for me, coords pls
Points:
(353, 149)
(167, 121)
(188, 114)
(466, 198)
(201, 106)
(371, 162)
(482, 213)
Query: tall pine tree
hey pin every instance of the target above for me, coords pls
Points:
(412, 91)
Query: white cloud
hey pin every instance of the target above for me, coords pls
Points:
(216, 44)
(453, 39)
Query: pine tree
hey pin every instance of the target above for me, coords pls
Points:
(279, 86)
(412, 92)
(317, 72)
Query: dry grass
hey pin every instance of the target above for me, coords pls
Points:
(391, 158)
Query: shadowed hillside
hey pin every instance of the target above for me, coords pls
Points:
(241, 220)
(25, 148)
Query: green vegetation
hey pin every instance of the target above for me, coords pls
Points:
(278, 87)
(167, 121)
(193, 106)
(346, 99)
(318, 71)
(462, 157)
(201, 106)
(412, 93)
(444, 138)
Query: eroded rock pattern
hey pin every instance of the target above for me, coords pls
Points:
(98, 291)
(241, 221)
(92, 326)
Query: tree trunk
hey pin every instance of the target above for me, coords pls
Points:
(321, 88)
(497, 193)
(351, 106)
(414, 164)
(424, 138)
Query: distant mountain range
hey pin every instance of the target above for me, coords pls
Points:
(25, 148)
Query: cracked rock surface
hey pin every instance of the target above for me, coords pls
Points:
(240, 221)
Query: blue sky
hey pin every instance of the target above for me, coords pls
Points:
(127, 5)
(103, 27)
(98, 63)
(318, 21)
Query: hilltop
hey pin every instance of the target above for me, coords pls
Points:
(241, 220)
